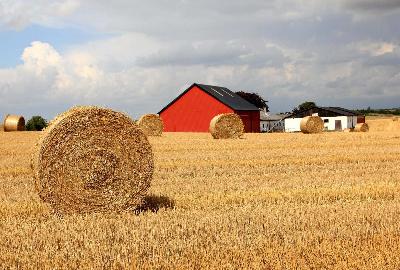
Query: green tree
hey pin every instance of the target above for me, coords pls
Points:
(304, 106)
(254, 99)
(36, 123)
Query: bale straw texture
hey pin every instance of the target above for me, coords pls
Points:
(14, 123)
(361, 127)
(311, 124)
(91, 159)
(226, 126)
(151, 124)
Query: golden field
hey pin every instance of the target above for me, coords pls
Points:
(267, 201)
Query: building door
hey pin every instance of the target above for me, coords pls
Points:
(338, 125)
(246, 122)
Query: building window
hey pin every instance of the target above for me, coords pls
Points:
(326, 120)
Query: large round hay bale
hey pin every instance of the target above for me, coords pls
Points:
(14, 123)
(361, 127)
(151, 124)
(226, 126)
(91, 159)
(311, 124)
(394, 118)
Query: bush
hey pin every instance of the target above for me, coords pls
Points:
(36, 123)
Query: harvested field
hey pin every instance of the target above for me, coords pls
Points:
(387, 124)
(268, 201)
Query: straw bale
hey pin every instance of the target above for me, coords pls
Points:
(311, 124)
(361, 127)
(348, 130)
(394, 118)
(226, 126)
(151, 124)
(14, 123)
(91, 159)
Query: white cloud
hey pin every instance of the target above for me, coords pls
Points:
(78, 77)
(18, 14)
(287, 50)
(39, 57)
(376, 48)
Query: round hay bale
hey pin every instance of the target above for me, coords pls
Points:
(311, 124)
(14, 123)
(91, 159)
(361, 127)
(226, 126)
(394, 118)
(151, 124)
(348, 130)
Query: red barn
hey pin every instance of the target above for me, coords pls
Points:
(193, 110)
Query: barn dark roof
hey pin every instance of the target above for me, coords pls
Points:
(324, 112)
(222, 94)
(341, 111)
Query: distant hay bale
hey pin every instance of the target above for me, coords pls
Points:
(151, 124)
(348, 130)
(226, 126)
(14, 123)
(311, 124)
(394, 118)
(361, 127)
(91, 159)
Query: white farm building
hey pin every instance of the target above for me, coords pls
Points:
(335, 118)
(272, 122)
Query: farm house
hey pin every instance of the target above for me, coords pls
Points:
(193, 110)
(335, 118)
(272, 122)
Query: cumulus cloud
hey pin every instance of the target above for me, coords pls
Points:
(39, 57)
(78, 77)
(287, 50)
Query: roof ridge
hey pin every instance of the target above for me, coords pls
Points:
(336, 110)
(238, 104)
(226, 97)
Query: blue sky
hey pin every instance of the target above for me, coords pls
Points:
(136, 56)
(13, 42)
